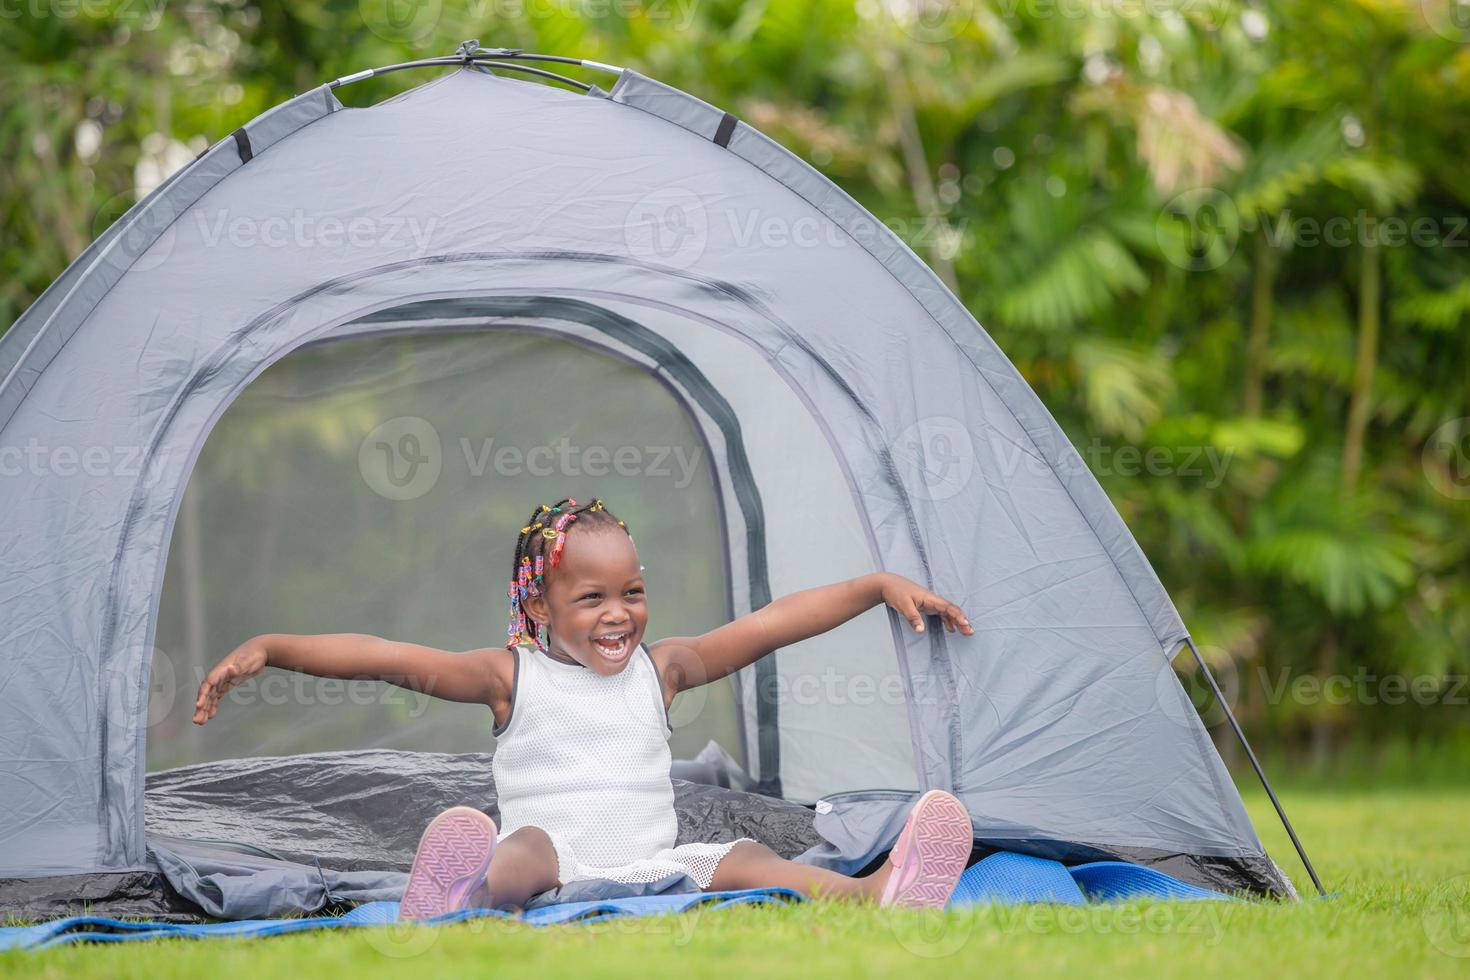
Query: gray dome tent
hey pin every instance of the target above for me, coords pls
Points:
(856, 418)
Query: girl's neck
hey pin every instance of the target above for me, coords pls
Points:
(561, 658)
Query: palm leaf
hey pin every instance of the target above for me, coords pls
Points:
(1123, 386)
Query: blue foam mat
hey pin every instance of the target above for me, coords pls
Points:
(1016, 879)
(1001, 878)
(1004, 878)
(88, 928)
(1118, 881)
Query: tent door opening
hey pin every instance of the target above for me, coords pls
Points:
(358, 485)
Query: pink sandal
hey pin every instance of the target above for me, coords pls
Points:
(931, 852)
(453, 856)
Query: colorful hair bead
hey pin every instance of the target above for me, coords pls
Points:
(531, 564)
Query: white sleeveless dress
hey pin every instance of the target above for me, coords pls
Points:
(586, 759)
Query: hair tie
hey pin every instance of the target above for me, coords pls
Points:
(561, 538)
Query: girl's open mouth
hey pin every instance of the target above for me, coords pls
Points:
(614, 647)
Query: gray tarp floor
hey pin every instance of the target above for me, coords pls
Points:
(352, 818)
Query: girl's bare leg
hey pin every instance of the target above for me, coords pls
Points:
(752, 865)
(524, 864)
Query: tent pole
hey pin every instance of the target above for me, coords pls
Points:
(1255, 764)
(483, 56)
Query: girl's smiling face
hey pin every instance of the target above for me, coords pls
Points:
(594, 604)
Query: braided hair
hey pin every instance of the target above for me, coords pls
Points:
(539, 545)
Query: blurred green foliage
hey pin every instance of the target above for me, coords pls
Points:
(1226, 242)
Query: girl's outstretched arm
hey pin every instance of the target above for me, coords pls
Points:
(477, 676)
(686, 662)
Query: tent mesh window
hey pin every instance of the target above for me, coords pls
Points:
(375, 485)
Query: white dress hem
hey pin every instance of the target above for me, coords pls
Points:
(698, 861)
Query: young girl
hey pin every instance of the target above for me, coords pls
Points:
(581, 760)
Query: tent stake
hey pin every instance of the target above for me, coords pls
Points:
(1256, 765)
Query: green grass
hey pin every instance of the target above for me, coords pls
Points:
(1396, 859)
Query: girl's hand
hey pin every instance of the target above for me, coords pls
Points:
(913, 601)
(247, 660)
